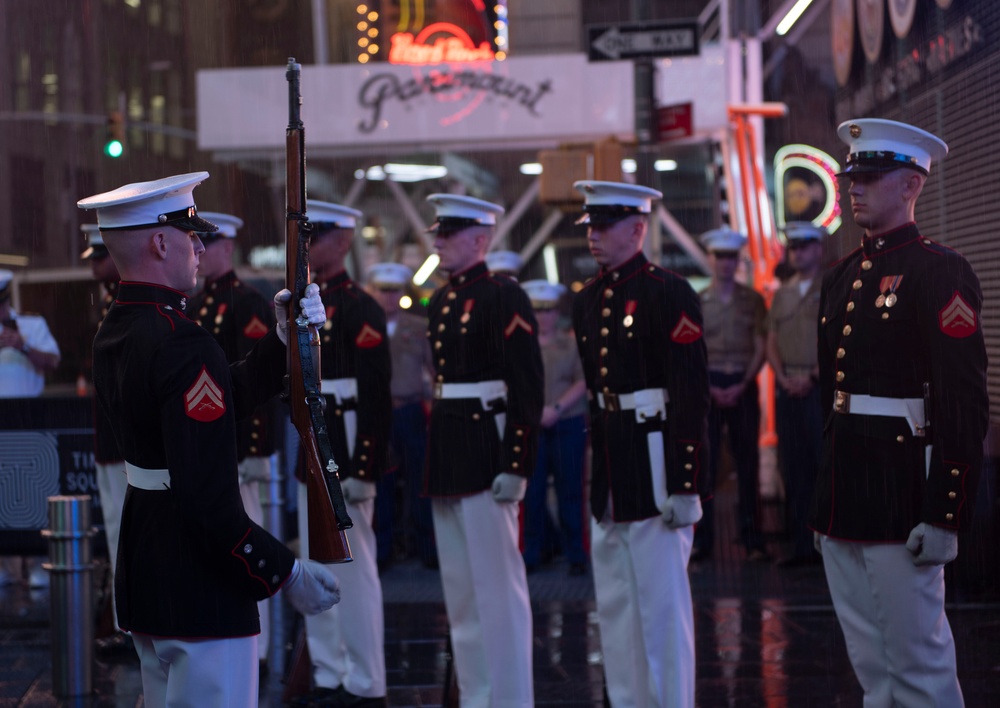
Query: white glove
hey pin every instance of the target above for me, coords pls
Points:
(312, 307)
(932, 545)
(357, 490)
(818, 542)
(281, 300)
(509, 487)
(681, 510)
(311, 587)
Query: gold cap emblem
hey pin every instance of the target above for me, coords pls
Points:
(855, 130)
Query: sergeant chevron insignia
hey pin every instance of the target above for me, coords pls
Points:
(685, 331)
(957, 318)
(204, 401)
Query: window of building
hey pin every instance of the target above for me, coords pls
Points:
(27, 192)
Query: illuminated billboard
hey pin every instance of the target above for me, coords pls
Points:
(431, 31)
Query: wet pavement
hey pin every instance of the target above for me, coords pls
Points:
(765, 636)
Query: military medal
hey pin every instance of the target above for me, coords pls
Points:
(467, 306)
(629, 310)
(887, 287)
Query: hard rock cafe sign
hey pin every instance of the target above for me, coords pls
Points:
(439, 43)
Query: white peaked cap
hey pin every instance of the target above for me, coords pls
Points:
(391, 276)
(168, 202)
(463, 211)
(504, 262)
(95, 242)
(227, 223)
(723, 239)
(804, 231)
(344, 217)
(543, 294)
(608, 202)
(878, 145)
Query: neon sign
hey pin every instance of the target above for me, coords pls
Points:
(421, 33)
(820, 165)
(455, 46)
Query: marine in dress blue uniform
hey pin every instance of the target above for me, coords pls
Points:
(482, 447)
(640, 336)
(902, 368)
(112, 482)
(191, 563)
(346, 644)
(238, 316)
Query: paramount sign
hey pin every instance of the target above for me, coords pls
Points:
(530, 101)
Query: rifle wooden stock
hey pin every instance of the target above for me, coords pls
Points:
(328, 518)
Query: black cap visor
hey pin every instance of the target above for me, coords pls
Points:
(183, 219)
(447, 226)
(879, 161)
(606, 214)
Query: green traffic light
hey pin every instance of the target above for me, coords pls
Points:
(114, 148)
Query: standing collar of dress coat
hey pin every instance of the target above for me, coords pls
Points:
(131, 293)
(880, 244)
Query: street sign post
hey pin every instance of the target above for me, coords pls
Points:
(636, 40)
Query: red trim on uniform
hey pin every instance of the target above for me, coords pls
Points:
(235, 553)
(164, 315)
(957, 319)
(204, 401)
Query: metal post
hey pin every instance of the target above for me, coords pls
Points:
(274, 507)
(70, 569)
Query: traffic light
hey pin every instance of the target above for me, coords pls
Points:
(114, 141)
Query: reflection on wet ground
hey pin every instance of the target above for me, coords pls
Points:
(765, 636)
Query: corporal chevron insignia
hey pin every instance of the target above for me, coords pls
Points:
(685, 331)
(957, 319)
(515, 322)
(255, 328)
(368, 337)
(204, 401)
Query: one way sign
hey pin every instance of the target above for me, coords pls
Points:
(645, 39)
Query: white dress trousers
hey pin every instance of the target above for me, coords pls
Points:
(347, 642)
(892, 615)
(111, 486)
(486, 597)
(194, 673)
(645, 612)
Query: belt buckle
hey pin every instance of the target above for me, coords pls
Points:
(611, 403)
(438, 390)
(841, 402)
